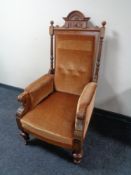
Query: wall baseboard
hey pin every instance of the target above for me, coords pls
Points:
(112, 125)
(10, 87)
(112, 115)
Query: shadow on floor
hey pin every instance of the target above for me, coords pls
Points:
(61, 152)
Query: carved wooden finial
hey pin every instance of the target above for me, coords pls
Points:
(52, 22)
(51, 29)
(103, 23)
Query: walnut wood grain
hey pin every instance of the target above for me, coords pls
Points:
(76, 19)
(97, 66)
(24, 99)
(51, 31)
(78, 140)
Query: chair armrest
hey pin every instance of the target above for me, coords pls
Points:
(37, 91)
(86, 100)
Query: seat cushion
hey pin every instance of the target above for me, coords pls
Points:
(54, 118)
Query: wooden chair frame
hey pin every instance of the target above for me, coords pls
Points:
(75, 21)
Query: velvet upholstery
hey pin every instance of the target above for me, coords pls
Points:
(53, 118)
(74, 63)
(40, 89)
(88, 115)
(84, 108)
(85, 98)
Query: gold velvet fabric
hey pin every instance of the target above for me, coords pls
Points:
(89, 110)
(40, 89)
(54, 118)
(85, 98)
(74, 62)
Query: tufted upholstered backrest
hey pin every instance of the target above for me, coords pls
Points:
(74, 60)
(75, 52)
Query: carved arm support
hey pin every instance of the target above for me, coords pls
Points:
(85, 104)
(35, 93)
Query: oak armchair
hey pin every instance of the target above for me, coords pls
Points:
(57, 107)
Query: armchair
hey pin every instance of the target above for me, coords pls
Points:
(57, 107)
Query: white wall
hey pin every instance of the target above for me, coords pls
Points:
(24, 44)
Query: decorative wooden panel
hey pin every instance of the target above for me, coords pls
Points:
(76, 19)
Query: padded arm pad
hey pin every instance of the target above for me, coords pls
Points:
(85, 99)
(38, 90)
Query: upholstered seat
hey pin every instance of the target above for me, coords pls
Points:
(51, 119)
(58, 106)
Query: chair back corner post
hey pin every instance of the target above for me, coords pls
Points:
(51, 32)
(98, 59)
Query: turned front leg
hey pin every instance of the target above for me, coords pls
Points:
(77, 151)
(25, 136)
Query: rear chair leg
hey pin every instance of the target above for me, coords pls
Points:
(26, 137)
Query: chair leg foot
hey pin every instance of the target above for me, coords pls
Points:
(26, 137)
(77, 157)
